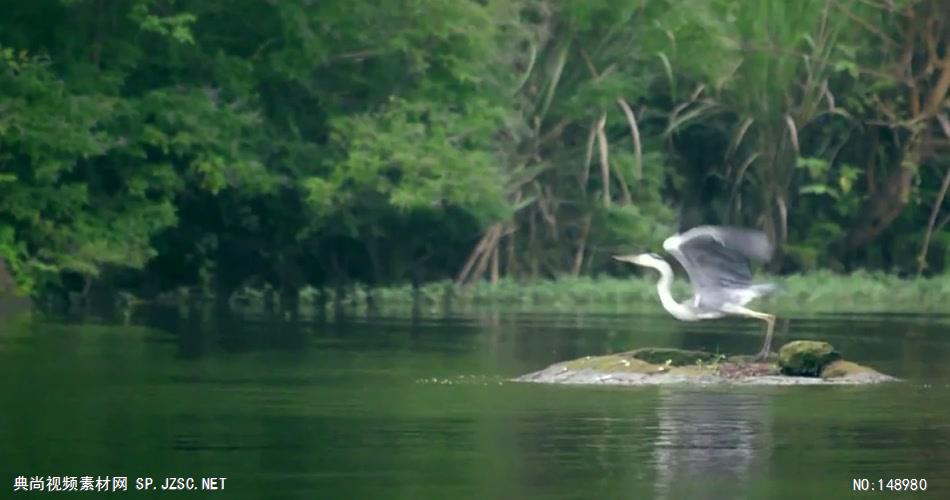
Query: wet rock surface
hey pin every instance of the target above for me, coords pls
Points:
(806, 363)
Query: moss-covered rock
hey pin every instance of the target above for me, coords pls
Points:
(806, 358)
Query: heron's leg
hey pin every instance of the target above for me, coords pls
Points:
(769, 320)
(767, 345)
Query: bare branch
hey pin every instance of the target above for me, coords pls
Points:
(554, 81)
(792, 132)
(925, 246)
(635, 132)
(676, 120)
(738, 136)
(866, 25)
(944, 124)
(532, 58)
(589, 63)
(358, 55)
(604, 163)
(939, 91)
(494, 266)
(669, 72)
(740, 174)
(698, 90)
(581, 246)
(943, 222)
(554, 132)
(887, 7)
(783, 219)
(631, 120)
(547, 215)
(492, 236)
(828, 96)
(588, 156)
(480, 254)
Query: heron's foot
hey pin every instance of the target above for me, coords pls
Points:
(763, 356)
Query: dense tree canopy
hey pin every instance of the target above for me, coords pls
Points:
(151, 144)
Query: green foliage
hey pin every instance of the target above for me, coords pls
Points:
(98, 173)
(176, 27)
(53, 220)
(241, 144)
(412, 156)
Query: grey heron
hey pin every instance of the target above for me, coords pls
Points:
(716, 258)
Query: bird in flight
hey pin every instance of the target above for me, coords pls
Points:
(717, 259)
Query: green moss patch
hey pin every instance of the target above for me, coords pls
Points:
(806, 358)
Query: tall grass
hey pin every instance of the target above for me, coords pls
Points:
(813, 292)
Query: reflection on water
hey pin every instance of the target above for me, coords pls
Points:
(709, 435)
(418, 407)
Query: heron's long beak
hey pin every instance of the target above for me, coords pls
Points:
(625, 258)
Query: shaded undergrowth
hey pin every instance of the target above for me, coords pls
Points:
(815, 292)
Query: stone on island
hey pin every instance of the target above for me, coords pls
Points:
(806, 357)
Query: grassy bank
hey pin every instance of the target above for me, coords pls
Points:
(816, 292)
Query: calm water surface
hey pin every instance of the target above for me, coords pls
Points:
(402, 407)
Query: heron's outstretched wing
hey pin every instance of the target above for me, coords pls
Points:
(717, 258)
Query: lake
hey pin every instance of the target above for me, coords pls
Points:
(419, 406)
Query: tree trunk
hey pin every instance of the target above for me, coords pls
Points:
(881, 209)
(916, 69)
(922, 258)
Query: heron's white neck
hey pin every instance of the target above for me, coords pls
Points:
(678, 310)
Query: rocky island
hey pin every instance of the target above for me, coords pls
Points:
(801, 362)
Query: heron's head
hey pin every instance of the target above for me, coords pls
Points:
(644, 259)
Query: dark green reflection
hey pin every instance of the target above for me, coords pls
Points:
(404, 407)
